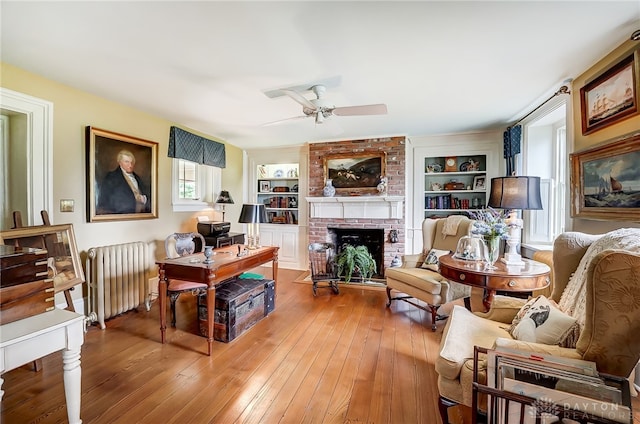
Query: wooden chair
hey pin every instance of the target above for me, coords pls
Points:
(323, 266)
(182, 244)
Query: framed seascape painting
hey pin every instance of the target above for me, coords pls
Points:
(63, 261)
(354, 174)
(605, 181)
(121, 177)
(611, 96)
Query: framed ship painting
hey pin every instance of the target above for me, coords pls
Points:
(611, 96)
(605, 181)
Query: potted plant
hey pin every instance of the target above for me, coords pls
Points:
(355, 259)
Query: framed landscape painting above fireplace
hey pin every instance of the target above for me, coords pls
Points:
(355, 174)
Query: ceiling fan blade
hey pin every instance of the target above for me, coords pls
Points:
(300, 99)
(378, 109)
(283, 121)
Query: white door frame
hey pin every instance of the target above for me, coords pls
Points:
(39, 141)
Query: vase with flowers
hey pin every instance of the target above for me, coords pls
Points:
(490, 226)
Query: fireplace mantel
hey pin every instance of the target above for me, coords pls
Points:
(367, 207)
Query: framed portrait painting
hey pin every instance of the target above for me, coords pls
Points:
(612, 96)
(355, 173)
(605, 181)
(121, 177)
(63, 261)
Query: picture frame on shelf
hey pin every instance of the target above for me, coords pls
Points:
(110, 195)
(479, 182)
(265, 186)
(63, 260)
(604, 181)
(611, 96)
(355, 173)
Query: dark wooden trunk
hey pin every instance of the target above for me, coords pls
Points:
(240, 304)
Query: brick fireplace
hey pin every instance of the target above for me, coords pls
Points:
(371, 212)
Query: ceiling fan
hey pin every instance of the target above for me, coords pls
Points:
(320, 108)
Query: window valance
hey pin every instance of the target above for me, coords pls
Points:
(191, 147)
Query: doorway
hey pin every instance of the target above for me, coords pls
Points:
(27, 156)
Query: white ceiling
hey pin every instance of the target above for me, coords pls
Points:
(440, 67)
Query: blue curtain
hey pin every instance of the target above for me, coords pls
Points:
(191, 147)
(511, 146)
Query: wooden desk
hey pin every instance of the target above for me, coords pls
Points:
(532, 276)
(32, 338)
(227, 264)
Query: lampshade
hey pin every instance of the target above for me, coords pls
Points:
(515, 193)
(224, 198)
(253, 214)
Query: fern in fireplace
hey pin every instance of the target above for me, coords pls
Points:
(355, 260)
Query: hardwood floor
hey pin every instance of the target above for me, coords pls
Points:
(328, 359)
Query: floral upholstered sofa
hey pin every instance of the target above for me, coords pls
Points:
(596, 283)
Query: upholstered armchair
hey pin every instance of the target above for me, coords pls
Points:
(418, 280)
(596, 280)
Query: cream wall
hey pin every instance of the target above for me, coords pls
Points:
(582, 142)
(73, 111)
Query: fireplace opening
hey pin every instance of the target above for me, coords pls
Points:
(372, 238)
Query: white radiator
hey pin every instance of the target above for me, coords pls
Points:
(118, 279)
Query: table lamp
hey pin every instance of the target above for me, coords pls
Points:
(513, 193)
(253, 215)
(224, 199)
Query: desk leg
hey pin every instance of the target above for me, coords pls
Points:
(211, 313)
(274, 270)
(162, 301)
(72, 379)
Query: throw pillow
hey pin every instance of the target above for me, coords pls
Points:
(540, 321)
(433, 259)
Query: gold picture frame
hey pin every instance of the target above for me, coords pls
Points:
(63, 261)
(355, 174)
(611, 96)
(605, 181)
(110, 195)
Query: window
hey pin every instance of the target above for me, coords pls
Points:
(194, 185)
(545, 156)
(188, 180)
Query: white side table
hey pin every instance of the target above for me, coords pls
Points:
(32, 338)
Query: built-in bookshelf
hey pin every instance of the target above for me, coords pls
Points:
(277, 189)
(454, 184)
